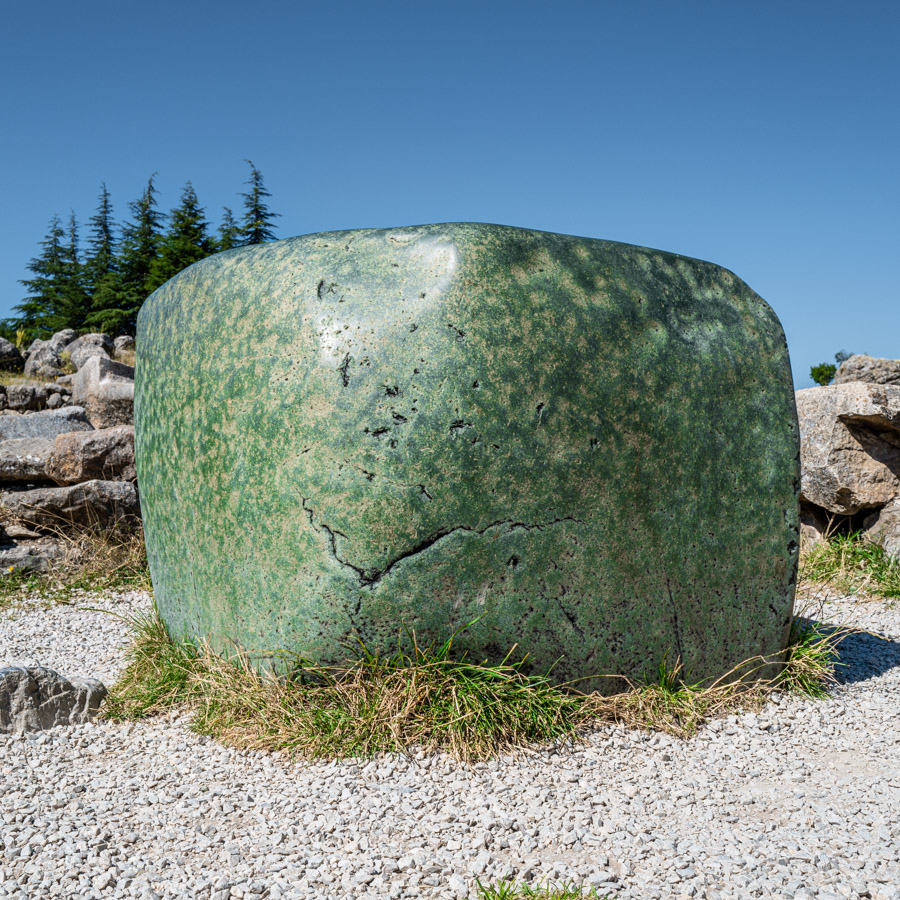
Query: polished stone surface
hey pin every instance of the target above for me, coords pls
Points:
(588, 447)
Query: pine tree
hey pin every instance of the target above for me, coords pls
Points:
(45, 290)
(101, 258)
(74, 301)
(185, 242)
(229, 232)
(257, 227)
(116, 302)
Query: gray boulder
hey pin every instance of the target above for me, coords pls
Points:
(124, 343)
(61, 339)
(10, 358)
(93, 504)
(36, 698)
(46, 424)
(43, 361)
(106, 391)
(87, 346)
(26, 396)
(884, 527)
(850, 446)
(868, 369)
(106, 454)
(43, 358)
(25, 459)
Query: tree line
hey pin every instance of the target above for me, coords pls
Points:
(103, 288)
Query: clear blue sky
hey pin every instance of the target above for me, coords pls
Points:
(762, 136)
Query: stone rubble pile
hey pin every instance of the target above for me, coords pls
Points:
(850, 453)
(66, 445)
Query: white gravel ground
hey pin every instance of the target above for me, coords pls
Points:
(801, 801)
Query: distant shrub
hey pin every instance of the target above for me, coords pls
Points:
(823, 373)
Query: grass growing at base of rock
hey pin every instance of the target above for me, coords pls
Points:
(94, 560)
(419, 696)
(508, 890)
(852, 564)
(422, 697)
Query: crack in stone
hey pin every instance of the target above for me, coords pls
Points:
(371, 577)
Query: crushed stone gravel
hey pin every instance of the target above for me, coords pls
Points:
(798, 801)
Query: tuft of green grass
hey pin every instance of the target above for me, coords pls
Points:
(854, 565)
(811, 658)
(509, 890)
(417, 697)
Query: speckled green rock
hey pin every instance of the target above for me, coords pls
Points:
(589, 447)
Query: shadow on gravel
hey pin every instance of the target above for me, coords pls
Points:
(865, 655)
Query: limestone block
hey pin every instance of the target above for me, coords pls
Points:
(45, 424)
(106, 391)
(93, 504)
(24, 459)
(106, 454)
(587, 449)
(850, 445)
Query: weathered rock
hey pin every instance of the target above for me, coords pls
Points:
(93, 504)
(106, 454)
(36, 698)
(884, 527)
(584, 448)
(45, 424)
(61, 339)
(850, 445)
(106, 391)
(43, 361)
(10, 358)
(869, 369)
(814, 525)
(88, 345)
(43, 358)
(24, 459)
(29, 555)
(25, 396)
(124, 343)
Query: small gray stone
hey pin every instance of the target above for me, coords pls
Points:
(35, 699)
(29, 555)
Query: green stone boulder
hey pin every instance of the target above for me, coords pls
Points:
(587, 449)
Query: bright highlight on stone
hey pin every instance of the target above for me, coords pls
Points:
(586, 448)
